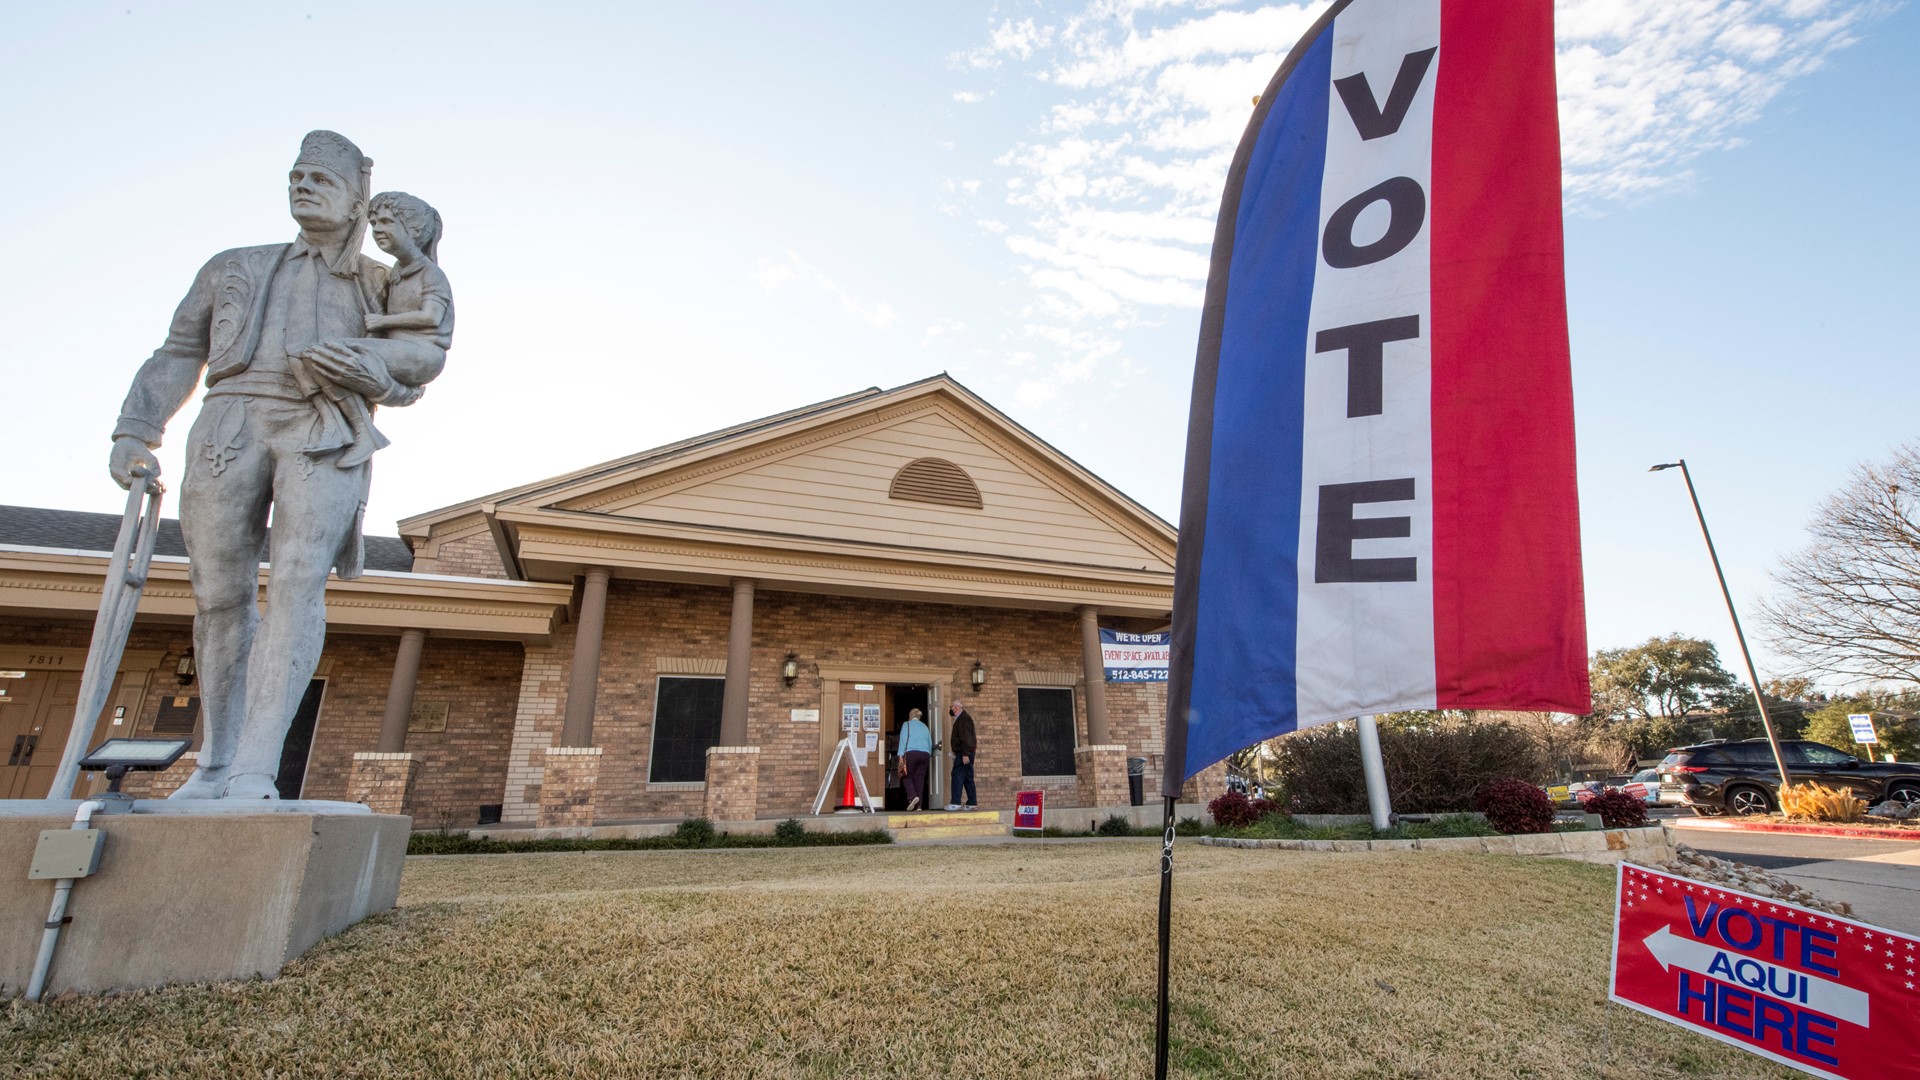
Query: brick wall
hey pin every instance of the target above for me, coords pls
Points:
(649, 621)
(468, 556)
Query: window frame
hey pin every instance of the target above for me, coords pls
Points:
(1073, 730)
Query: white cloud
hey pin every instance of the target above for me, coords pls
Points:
(774, 273)
(968, 97)
(1109, 206)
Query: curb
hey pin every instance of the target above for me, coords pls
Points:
(1911, 836)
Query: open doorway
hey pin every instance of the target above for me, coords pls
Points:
(902, 699)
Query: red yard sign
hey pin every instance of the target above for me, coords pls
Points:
(1826, 995)
(1027, 809)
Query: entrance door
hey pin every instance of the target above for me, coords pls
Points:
(863, 719)
(33, 731)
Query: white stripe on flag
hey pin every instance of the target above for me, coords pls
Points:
(1365, 643)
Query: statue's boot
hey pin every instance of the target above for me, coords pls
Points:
(252, 786)
(205, 783)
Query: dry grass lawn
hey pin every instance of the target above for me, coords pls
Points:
(1026, 959)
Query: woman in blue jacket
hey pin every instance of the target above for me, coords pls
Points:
(915, 750)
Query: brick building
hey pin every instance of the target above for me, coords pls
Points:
(687, 631)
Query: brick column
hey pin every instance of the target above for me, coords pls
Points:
(733, 783)
(406, 673)
(1101, 775)
(384, 781)
(568, 786)
(584, 686)
(733, 701)
(1206, 785)
(1096, 675)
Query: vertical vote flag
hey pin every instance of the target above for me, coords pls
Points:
(1379, 509)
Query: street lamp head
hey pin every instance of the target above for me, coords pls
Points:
(1668, 465)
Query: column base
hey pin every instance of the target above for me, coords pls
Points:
(384, 782)
(1101, 773)
(733, 783)
(568, 786)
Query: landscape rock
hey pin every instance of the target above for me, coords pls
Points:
(1691, 864)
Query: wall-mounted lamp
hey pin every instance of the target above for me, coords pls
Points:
(185, 669)
(979, 676)
(791, 669)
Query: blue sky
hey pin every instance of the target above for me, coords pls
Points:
(666, 219)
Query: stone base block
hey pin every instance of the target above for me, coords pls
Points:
(568, 786)
(196, 898)
(733, 783)
(1101, 774)
(384, 782)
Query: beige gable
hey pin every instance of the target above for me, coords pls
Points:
(833, 485)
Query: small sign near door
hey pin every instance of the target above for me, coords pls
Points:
(850, 717)
(1027, 809)
(870, 717)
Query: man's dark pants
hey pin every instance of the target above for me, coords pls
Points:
(963, 780)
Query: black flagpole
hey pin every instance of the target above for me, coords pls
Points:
(1166, 928)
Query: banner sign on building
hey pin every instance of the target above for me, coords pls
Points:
(1379, 509)
(1135, 657)
(1862, 724)
(1826, 995)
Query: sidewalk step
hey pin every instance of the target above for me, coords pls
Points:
(942, 818)
(948, 832)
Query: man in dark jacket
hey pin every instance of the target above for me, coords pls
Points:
(964, 744)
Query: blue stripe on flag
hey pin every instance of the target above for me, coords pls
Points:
(1244, 644)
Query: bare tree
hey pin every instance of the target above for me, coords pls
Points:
(1848, 605)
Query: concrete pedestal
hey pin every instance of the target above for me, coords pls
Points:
(384, 782)
(183, 898)
(568, 786)
(1101, 772)
(733, 783)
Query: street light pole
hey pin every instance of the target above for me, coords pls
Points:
(1753, 678)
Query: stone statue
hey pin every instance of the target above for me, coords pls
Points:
(299, 342)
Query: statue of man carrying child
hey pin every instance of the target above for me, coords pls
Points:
(299, 343)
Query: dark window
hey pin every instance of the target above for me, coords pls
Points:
(1046, 732)
(1819, 754)
(1748, 753)
(686, 723)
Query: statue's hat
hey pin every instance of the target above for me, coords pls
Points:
(336, 153)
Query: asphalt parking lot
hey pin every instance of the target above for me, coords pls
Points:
(1880, 878)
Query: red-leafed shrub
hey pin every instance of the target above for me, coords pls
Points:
(1515, 806)
(1617, 809)
(1233, 810)
(1263, 807)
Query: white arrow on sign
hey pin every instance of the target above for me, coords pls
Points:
(1696, 956)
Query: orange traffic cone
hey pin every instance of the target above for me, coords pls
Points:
(849, 799)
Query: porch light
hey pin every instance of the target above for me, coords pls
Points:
(979, 676)
(791, 669)
(185, 669)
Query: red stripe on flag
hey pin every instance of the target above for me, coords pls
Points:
(1509, 614)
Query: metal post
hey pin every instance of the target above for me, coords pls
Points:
(1753, 678)
(1375, 769)
(1166, 935)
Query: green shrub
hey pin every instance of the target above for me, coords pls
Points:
(1189, 826)
(1115, 825)
(1433, 764)
(695, 832)
(790, 831)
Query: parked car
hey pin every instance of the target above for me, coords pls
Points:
(1580, 791)
(1645, 786)
(1741, 778)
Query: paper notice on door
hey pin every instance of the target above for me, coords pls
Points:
(873, 742)
(850, 716)
(871, 718)
(860, 757)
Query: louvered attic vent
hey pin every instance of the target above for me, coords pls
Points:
(933, 480)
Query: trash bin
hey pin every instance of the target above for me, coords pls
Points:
(1137, 780)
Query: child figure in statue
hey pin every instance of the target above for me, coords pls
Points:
(419, 314)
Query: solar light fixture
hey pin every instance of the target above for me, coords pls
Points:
(117, 757)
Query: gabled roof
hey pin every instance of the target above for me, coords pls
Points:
(813, 498)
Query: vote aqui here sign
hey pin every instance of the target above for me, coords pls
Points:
(1829, 996)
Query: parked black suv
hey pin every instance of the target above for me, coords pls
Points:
(1740, 777)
